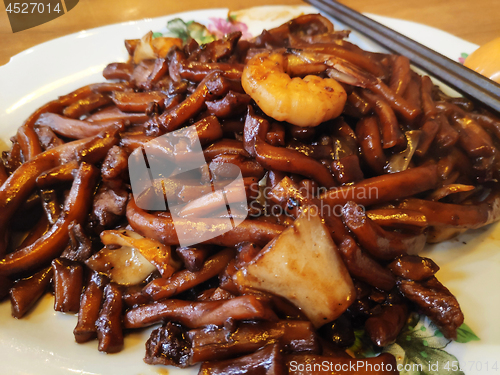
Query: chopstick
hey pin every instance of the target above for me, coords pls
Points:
(455, 75)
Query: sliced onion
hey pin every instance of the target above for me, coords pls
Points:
(344, 77)
(135, 259)
(153, 251)
(119, 237)
(446, 190)
(400, 162)
(144, 49)
(162, 45)
(125, 266)
(151, 48)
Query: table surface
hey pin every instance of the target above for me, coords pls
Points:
(476, 21)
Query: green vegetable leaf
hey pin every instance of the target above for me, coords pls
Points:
(465, 334)
(157, 35)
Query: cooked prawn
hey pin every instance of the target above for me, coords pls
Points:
(306, 102)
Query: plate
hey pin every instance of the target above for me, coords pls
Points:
(43, 343)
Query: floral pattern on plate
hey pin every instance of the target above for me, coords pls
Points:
(462, 57)
(220, 27)
(419, 348)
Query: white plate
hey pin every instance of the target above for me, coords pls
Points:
(43, 343)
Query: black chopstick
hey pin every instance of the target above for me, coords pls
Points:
(455, 75)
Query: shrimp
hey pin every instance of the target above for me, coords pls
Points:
(305, 102)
